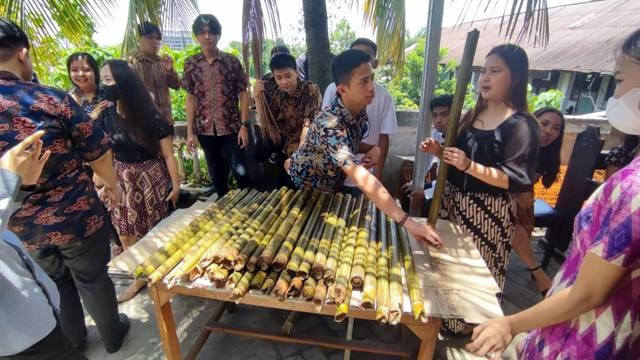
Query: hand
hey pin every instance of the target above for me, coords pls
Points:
(456, 157)
(114, 197)
(491, 338)
(287, 165)
(24, 159)
(406, 188)
(258, 87)
(192, 143)
(98, 109)
(173, 196)
(243, 137)
(372, 157)
(430, 146)
(167, 63)
(423, 232)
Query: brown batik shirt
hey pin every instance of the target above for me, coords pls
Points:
(157, 80)
(216, 87)
(295, 111)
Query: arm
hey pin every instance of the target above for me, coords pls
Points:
(383, 142)
(190, 109)
(103, 169)
(584, 295)
(243, 134)
(173, 80)
(166, 146)
(379, 195)
(303, 135)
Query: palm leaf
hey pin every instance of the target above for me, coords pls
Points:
(53, 25)
(167, 14)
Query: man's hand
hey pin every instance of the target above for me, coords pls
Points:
(423, 232)
(243, 137)
(167, 63)
(192, 143)
(25, 159)
(372, 157)
(287, 165)
(430, 146)
(258, 87)
(406, 188)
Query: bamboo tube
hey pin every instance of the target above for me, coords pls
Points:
(382, 274)
(319, 295)
(219, 277)
(343, 308)
(343, 275)
(395, 274)
(297, 255)
(309, 288)
(211, 270)
(282, 285)
(360, 253)
(234, 280)
(331, 223)
(312, 247)
(282, 257)
(329, 270)
(295, 287)
(269, 282)
(242, 287)
(258, 280)
(413, 282)
(369, 290)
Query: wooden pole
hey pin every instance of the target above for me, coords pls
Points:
(451, 130)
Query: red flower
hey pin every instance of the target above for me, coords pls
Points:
(59, 146)
(56, 194)
(57, 238)
(47, 218)
(5, 104)
(27, 210)
(82, 204)
(94, 223)
(86, 128)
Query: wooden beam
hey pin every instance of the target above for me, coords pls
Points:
(166, 323)
(428, 335)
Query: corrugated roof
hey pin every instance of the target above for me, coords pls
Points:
(582, 37)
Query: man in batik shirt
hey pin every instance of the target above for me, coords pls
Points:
(157, 72)
(327, 156)
(215, 82)
(61, 222)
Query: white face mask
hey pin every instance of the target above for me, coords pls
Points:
(624, 113)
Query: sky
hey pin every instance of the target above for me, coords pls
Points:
(110, 31)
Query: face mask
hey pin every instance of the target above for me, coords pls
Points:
(624, 113)
(111, 92)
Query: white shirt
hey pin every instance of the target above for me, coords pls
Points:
(381, 113)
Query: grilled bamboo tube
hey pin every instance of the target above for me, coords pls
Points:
(343, 275)
(309, 288)
(413, 283)
(329, 270)
(312, 247)
(297, 255)
(258, 280)
(234, 280)
(369, 290)
(282, 285)
(319, 295)
(382, 274)
(395, 275)
(242, 287)
(295, 287)
(360, 254)
(331, 223)
(269, 282)
(343, 308)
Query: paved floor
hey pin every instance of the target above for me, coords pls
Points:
(192, 314)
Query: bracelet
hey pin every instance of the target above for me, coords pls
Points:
(468, 166)
(403, 220)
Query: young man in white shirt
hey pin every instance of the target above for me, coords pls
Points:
(381, 112)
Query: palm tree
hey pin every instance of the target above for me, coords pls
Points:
(317, 38)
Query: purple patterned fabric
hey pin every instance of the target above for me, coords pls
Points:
(608, 226)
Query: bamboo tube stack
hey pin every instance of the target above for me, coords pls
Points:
(304, 245)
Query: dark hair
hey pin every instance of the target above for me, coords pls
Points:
(631, 45)
(146, 28)
(549, 158)
(365, 42)
(12, 39)
(518, 63)
(209, 21)
(282, 61)
(93, 64)
(441, 100)
(141, 113)
(344, 63)
(279, 49)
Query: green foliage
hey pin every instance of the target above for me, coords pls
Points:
(341, 37)
(550, 98)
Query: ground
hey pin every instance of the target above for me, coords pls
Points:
(191, 314)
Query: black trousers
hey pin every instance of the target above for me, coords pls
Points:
(223, 155)
(79, 269)
(54, 346)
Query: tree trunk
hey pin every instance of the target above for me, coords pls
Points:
(317, 38)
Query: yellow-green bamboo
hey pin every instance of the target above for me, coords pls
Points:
(234, 280)
(331, 223)
(312, 247)
(410, 273)
(319, 295)
(269, 282)
(369, 290)
(329, 270)
(295, 287)
(343, 308)
(309, 288)
(382, 274)
(319, 210)
(282, 286)
(395, 274)
(343, 275)
(258, 280)
(242, 287)
(360, 254)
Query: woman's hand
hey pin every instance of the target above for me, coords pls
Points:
(491, 338)
(456, 157)
(173, 197)
(423, 232)
(430, 146)
(258, 87)
(98, 109)
(406, 188)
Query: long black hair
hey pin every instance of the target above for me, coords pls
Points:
(549, 158)
(83, 56)
(141, 114)
(518, 63)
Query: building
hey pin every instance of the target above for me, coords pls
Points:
(579, 58)
(177, 39)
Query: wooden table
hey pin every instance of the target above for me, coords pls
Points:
(427, 332)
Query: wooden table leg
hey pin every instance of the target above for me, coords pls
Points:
(428, 335)
(347, 352)
(166, 323)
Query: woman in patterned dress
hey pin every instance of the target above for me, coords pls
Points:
(84, 73)
(494, 157)
(147, 174)
(592, 310)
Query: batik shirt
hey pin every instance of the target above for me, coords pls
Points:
(331, 143)
(295, 111)
(607, 226)
(157, 80)
(216, 87)
(64, 206)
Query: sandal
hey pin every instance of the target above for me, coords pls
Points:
(531, 271)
